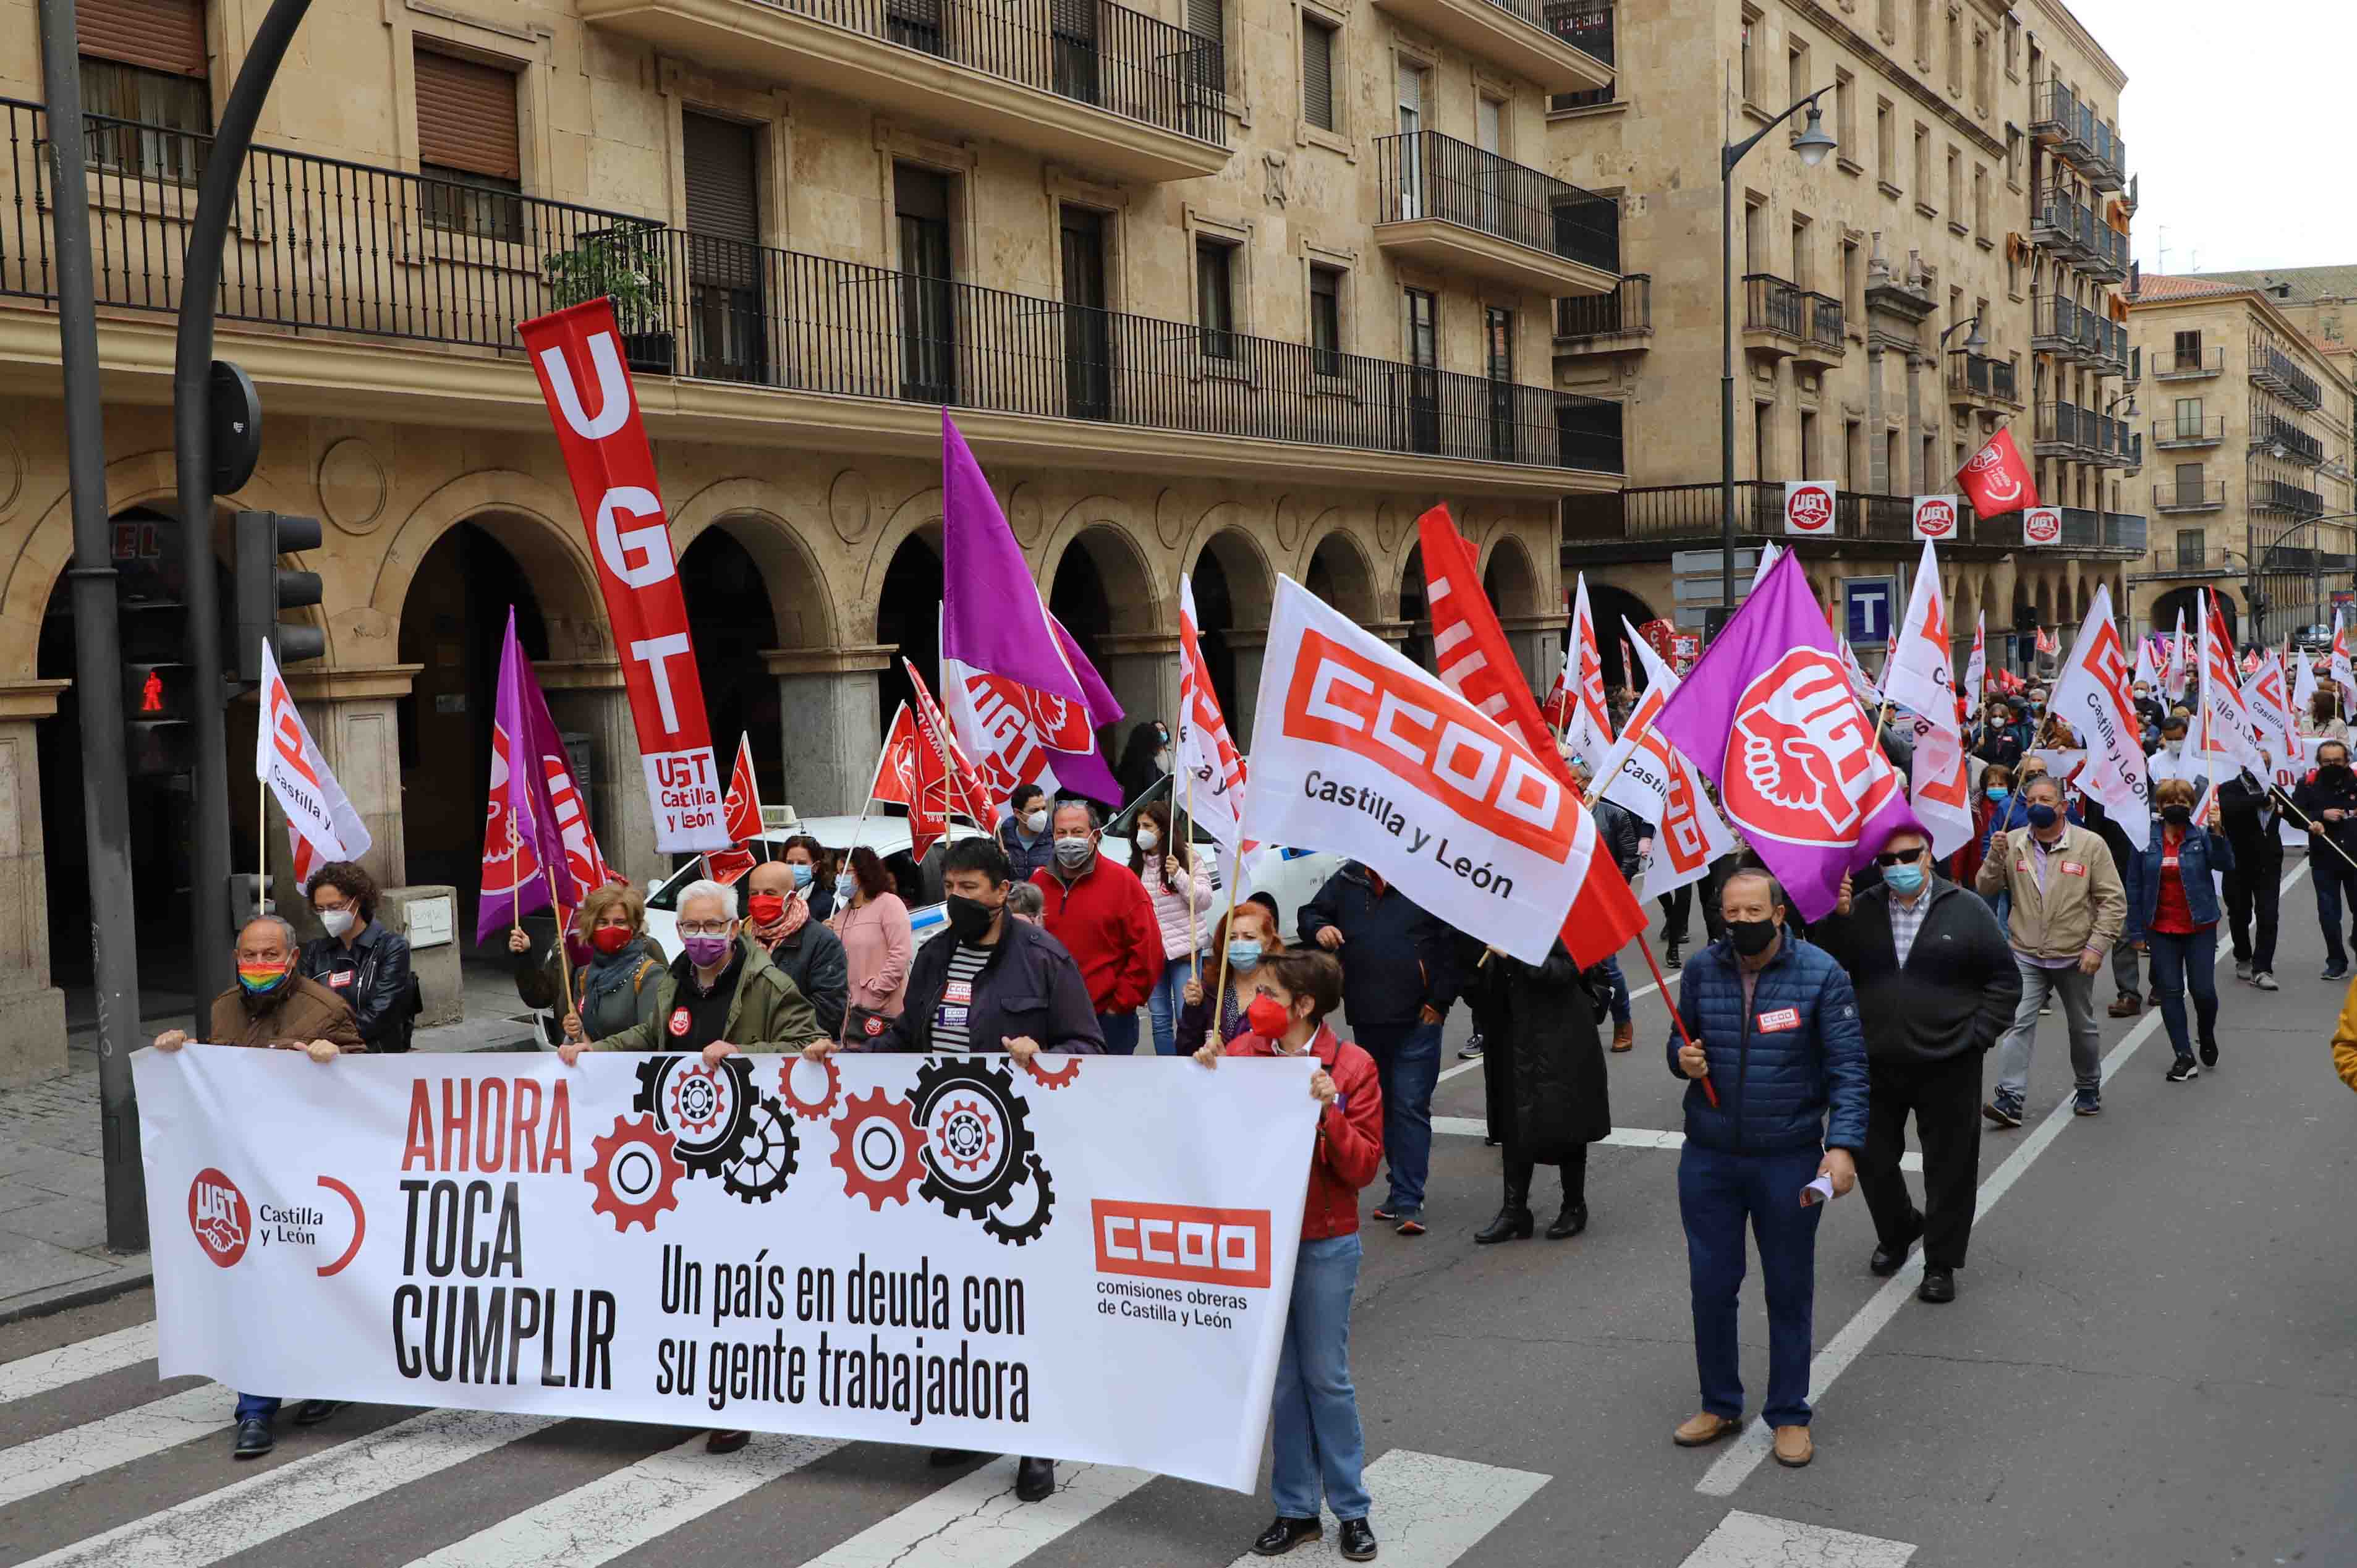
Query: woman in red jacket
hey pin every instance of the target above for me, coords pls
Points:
(1314, 1413)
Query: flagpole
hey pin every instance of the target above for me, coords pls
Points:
(1661, 986)
(842, 1029)
(1218, 998)
(2313, 831)
(563, 963)
(515, 878)
(260, 843)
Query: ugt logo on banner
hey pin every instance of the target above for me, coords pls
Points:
(1808, 768)
(1809, 508)
(2041, 525)
(1936, 517)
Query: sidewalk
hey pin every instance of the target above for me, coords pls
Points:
(53, 1179)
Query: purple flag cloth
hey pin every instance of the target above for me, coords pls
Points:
(521, 721)
(991, 617)
(1769, 716)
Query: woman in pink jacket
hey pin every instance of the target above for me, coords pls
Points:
(876, 945)
(1181, 890)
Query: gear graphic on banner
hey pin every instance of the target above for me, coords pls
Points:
(817, 1109)
(875, 1144)
(635, 1173)
(1021, 1233)
(975, 1134)
(705, 1109)
(1067, 1070)
(766, 1156)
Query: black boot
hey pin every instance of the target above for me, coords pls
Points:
(1515, 1221)
(1574, 1218)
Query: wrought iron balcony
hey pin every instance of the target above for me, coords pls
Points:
(2106, 169)
(2107, 252)
(2193, 558)
(2269, 430)
(1822, 343)
(1978, 379)
(1586, 26)
(2280, 374)
(1454, 205)
(2054, 327)
(2083, 528)
(2175, 366)
(2189, 495)
(1782, 320)
(2123, 531)
(332, 247)
(2056, 120)
(1551, 42)
(2102, 344)
(2064, 226)
(2280, 497)
(2067, 431)
(1606, 323)
(1659, 518)
(2188, 430)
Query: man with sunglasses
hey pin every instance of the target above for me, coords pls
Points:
(1936, 986)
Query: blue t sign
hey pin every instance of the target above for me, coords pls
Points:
(1872, 602)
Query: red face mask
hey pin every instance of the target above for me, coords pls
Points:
(610, 940)
(768, 908)
(1269, 1016)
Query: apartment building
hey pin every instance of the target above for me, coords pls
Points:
(1886, 300)
(1232, 288)
(2251, 436)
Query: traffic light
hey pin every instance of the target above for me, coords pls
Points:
(263, 589)
(155, 708)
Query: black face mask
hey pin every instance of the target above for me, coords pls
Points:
(970, 918)
(2180, 816)
(1751, 938)
(2334, 773)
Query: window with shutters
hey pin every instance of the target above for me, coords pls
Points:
(721, 159)
(1325, 319)
(1208, 21)
(1215, 297)
(469, 147)
(1317, 49)
(144, 64)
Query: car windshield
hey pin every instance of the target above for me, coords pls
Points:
(1121, 825)
(917, 885)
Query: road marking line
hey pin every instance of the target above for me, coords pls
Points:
(625, 1508)
(1755, 1541)
(47, 1369)
(1428, 1511)
(294, 1496)
(976, 1522)
(1619, 1137)
(83, 1451)
(1744, 1455)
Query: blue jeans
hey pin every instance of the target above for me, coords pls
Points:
(1120, 1031)
(2178, 961)
(1313, 1414)
(250, 1405)
(1611, 968)
(1167, 998)
(1717, 1192)
(1408, 1067)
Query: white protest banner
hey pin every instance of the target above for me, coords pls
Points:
(2226, 741)
(1936, 517)
(1976, 673)
(1587, 722)
(2344, 680)
(1357, 751)
(1092, 1261)
(2091, 696)
(321, 822)
(1809, 508)
(1921, 677)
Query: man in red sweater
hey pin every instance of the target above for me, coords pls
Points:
(1103, 914)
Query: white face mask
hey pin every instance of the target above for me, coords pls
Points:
(2176, 747)
(338, 921)
(1036, 823)
(1147, 840)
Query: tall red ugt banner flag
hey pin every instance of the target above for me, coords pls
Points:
(1769, 716)
(2092, 696)
(321, 825)
(1358, 752)
(530, 826)
(1204, 753)
(1477, 663)
(613, 474)
(1922, 678)
(1996, 479)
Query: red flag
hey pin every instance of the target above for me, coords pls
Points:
(967, 795)
(2045, 642)
(725, 865)
(742, 809)
(1477, 664)
(1996, 479)
(896, 778)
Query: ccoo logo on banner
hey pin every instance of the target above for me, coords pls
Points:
(1809, 508)
(947, 1250)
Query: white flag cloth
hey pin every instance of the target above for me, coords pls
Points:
(1976, 673)
(1868, 694)
(2303, 684)
(2269, 701)
(1654, 780)
(321, 822)
(1921, 677)
(2227, 742)
(1589, 731)
(1768, 554)
(1359, 752)
(1637, 774)
(2092, 695)
(2180, 664)
(2146, 675)
(1210, 773)
(2338, 668)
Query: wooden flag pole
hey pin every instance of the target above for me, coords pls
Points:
(261, 843)
(1218, 997)
(1197, 958)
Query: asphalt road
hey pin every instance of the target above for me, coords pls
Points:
(2152, 1362)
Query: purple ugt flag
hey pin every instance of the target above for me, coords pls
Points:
(1770, 718)
(517, 877)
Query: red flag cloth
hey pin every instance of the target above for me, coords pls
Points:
(726, 866)
(743, 805)
(967, 796)
(896, 768)
(1476, 662)
(1996, 479)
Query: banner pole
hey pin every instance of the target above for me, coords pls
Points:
(260, 843)
(1709, 1090)
(2305, 821)
(1196, 956)
(1218, 998)
(515, 879)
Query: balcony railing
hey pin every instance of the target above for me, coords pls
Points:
(1978, 376)
(2055, 325)
(2108, 252)
(2194, 558)
(2066, 430)
(2124, 531)
(2278, 496)
(2061, 120)
(1426, 175)
(2173, 366)
(1825, 321)
(2102, 344)
(322, 244)
(1771, 304)
(1626, 311)
(2280, 374)
(2189, 495)
(2272, 430)
(1585, 25)
(2005, 381)
(2062, 224)
(2190, 430)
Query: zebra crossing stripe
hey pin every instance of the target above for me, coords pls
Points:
(47, 1369)
(293, 1497)
(626, 1509)
(1755, 1541)
(976, 1522)
(80, 1452)
(1428, 1511)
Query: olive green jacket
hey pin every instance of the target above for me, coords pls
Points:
(769, 1012)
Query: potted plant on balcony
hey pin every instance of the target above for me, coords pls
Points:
(626, 266)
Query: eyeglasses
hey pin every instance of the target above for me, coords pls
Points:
(1891, 858)
(705, 928)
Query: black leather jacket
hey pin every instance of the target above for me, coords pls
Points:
(374, 978)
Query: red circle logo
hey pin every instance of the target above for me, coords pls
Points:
(218, 1217)
(1810, 509)
(679, 1021)
(1803, 765)
(2041, 525)
(1935, 519)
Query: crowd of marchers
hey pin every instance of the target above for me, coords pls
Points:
(1804, 1049)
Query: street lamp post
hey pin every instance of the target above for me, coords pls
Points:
(1812, 144)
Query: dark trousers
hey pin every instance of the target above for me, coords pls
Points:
(2333, 880)
(1575, 1176)
(1718, 1193)
(1677, 913)
(2181, 963)
(1945, 1099)
(2253, 888)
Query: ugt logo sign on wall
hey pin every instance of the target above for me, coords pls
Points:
(2041, 525)
(1936, 517)
(1809, 508)
(1803, 765)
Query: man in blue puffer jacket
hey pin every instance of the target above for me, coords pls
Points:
(1776, 1030)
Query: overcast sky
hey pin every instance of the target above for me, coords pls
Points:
(2237, 117)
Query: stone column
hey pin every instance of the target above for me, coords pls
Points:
(352, 714)
(827, 716)
(32, 1010)
(1141, 668)
(1915, 363)
(589, 698)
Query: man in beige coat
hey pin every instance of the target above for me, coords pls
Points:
(2069, 907)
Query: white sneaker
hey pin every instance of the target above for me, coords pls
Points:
(2265, 980)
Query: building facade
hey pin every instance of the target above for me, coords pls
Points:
(1228, 287)
(1859, 283)
(2251, 433)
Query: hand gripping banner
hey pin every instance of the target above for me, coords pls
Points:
(613, 474)
(1087, 1257)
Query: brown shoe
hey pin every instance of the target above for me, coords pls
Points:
(1702, 1429)
(1623, 1035)
(1794, 1446)
(2125, 1007)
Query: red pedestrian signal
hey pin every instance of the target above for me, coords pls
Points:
(151, 694)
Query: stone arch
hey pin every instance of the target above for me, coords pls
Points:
(1511, 580)
(1251, 577)
(1100, 528)
(747, 510)
(918, 515)
(1337, 566)
(532, 522)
